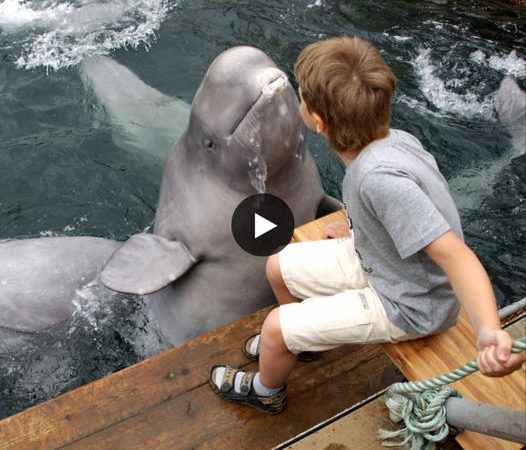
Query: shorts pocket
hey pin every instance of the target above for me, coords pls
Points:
(353, 322)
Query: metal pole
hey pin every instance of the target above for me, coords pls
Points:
(511, 309)
(487, 419)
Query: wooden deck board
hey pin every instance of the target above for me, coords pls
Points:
(199, 419)
(122, 395)
(165, 401)
(356, 430)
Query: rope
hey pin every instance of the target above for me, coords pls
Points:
(421, 405)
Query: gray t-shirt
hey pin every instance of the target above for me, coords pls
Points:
(399, 202)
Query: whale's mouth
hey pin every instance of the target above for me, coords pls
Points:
(276, 82)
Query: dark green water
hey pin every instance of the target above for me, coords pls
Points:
(62, 174)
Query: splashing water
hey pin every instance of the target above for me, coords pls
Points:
(56, 35)
(437, 92)
(106, 332)
(510, 64)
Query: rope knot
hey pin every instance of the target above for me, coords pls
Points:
(424, 417)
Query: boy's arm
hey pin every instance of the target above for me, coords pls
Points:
(474, 291)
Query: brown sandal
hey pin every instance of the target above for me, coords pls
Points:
(273, 404)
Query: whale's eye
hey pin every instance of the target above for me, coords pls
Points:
(209, 144)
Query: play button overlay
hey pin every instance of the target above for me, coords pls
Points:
(262, 224)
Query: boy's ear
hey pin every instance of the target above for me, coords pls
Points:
(321, 126)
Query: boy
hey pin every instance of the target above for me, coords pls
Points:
(397, 276)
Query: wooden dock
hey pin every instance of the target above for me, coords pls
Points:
(165, 402)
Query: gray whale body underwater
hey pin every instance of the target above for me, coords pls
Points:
(244, 136)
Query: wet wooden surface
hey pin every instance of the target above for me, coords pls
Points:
(165, 402)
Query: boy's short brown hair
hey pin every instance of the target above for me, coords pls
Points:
(346, 81)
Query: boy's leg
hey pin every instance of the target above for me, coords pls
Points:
(316, 324)
(313, 269)
(275, 279)
(353, 316)
(275, 360)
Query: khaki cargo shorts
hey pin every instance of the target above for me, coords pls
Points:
(338, 305)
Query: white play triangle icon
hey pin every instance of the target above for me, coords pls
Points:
(262, 225)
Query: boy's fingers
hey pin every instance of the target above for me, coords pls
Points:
(504, 343)
(516, 360)
(490, 366)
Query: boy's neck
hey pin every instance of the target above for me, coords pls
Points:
(348, 156)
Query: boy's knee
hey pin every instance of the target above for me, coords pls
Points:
(271, 329)
(273, 270)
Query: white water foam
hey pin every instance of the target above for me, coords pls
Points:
(510, 64)
(468, 105)
(60, 34)
(472, 185)
(92, 305)
(315, 4)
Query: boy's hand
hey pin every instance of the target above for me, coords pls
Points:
(337, 229)
(495, 358)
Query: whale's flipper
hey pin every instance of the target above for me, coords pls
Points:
(143, 119)
(145, 264)
(328, 205)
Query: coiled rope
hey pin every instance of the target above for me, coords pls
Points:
(421, 405)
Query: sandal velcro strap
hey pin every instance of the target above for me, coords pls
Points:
(228, 378)
(246, 383)
(274, 400)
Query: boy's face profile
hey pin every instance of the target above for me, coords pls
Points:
(311, 120)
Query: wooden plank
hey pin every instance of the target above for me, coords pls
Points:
(313, 231)
(199, 419)
(517, 328)
(356, 430)
(115, 398)
(434, 355)
(165, 401)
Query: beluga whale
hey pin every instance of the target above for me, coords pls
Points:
(510, 103)
(143, 120)
(244, 136)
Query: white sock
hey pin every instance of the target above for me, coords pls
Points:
(254, 345)
(259, 388)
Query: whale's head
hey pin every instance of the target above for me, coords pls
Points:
(245, 119)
